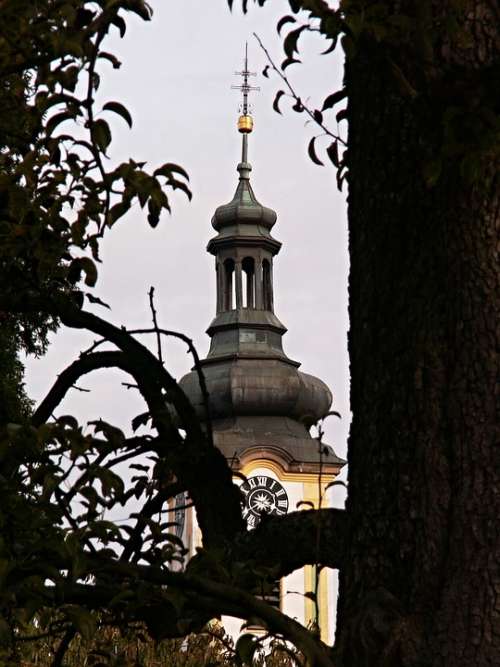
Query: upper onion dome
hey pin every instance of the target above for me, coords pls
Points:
(244, 207)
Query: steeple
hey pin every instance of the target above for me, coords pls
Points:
(260, 402)
(244, 251)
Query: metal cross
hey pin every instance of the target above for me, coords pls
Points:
(245, 87)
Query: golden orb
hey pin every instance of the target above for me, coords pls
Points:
(245, 124)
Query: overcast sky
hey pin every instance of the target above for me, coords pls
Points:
(176, 80)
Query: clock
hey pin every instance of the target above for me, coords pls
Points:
(262, 495)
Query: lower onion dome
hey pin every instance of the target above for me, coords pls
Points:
(258, 387)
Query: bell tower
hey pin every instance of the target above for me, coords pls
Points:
(261, 405)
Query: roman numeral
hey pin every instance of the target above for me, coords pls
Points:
(282, 503)
(252, 483)
(279, 493)
(261, 481)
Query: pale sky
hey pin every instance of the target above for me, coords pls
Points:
(176, 80)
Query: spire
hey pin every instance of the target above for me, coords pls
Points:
(245, 121)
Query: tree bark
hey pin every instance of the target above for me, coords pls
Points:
(421, 582)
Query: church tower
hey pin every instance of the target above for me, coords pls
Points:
(261, 405)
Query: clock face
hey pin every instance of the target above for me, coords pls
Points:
(263, 495)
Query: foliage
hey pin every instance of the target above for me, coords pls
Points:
(459, 108)
(88, 541)
(58, 194)
(136, 649)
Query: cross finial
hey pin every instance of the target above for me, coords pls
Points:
(245, 87)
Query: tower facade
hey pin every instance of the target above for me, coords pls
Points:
(262, 406)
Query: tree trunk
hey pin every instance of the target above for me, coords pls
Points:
(422, 581)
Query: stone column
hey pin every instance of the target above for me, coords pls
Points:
(238, 281)
(259, 285)
(219, 274)
(271, 289)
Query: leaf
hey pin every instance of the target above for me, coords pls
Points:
(312, 152)
(331, 47)
(290, 43)
(279, 95)
(120, 24)
(289, 61)
(117, 211)
(310, 595)
(111, 58)
(140, 8)
(138, 466)
(337, 482)
(153, 213)
(306, 503)
(283, 21)
(318, 116)
(96, 300)
(113, 434)
(86, 265)
(83, 17)
(178, 185)
(245, 648)
(265, 71)
(67, 420)
(56, 120)
(140, 420)
(341, 176)
(298, 106)
(101, 134)
(118, 108)
(333, 153)
(168, 168)
(333, 99)
(342, 115)
(333, 413)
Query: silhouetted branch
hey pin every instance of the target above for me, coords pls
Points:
(155, 322)
(314, 117)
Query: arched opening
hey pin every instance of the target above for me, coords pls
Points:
(267, 286)
(228, 295)
(248, 266)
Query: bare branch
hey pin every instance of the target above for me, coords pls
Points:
(197, 365)
(66, 380)
(155, 322)
(296, 97)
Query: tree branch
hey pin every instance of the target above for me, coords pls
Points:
(82, 366)
(200, 467)
(214, 598)
(289, 542)
(155, 322)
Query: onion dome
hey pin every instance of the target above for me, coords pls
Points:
(257, 387)
(244, 209)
